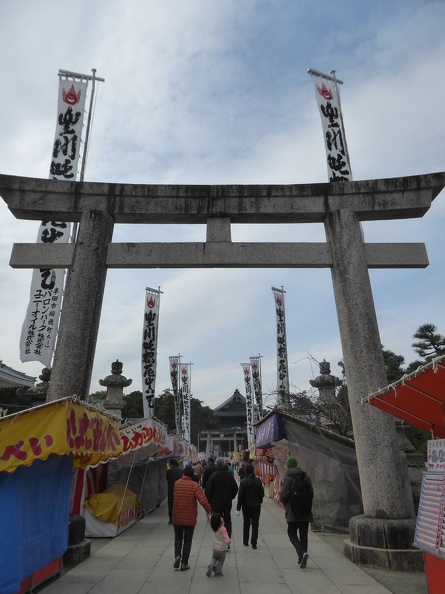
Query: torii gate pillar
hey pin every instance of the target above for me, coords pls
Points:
(388, 524)
(383, 536)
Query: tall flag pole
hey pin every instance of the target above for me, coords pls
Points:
(328, 99)
(149, 349)
(282, 361)
(250, 408)
(185, 373)
(39, 330)
(174, 372)
(255, 363)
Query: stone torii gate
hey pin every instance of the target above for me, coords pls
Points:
(388, 523)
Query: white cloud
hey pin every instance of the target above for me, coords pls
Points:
(202, 92)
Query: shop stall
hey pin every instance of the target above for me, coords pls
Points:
(328, 458)
(39, 448)
(419, 400)
(134, 482)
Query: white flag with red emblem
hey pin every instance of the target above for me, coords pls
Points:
(39, 330)
(149, 349)
(282, 364)
(185, 393)
(255, 364)
(328, 99)
(250, 407)
(174, 372)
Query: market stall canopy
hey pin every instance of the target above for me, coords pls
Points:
(417, 398)
(62, 427)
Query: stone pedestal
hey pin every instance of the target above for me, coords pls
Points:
(79, 547)
(383, 543)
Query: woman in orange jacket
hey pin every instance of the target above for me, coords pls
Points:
(187, 495)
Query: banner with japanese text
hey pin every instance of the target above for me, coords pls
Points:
(185, 392)
(149, 350)
(61, 427)
(144, 439)
(250, 407)
(328, 100)
(282, 361)
(255, 363)
(39, 330)
(174, 372)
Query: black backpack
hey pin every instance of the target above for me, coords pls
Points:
(301, 496)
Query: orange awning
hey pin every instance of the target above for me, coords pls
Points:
(417, 398)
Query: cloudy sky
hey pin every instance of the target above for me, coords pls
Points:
(217, 92)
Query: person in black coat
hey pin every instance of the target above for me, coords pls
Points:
(297, 523)
(250, 498)
(220, 489)
(172, 475)
(210, 469)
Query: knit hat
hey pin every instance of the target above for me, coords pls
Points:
(291, 462)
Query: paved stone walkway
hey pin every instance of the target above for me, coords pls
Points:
(140, 561)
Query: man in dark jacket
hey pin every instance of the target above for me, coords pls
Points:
(220, 490)
(250, 498)
(297, 523)
(210, 469)
(172, 475)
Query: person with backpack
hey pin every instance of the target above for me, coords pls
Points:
(296, 495)
(221, 488)
(250, 498)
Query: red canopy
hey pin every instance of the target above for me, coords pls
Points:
(417, 398)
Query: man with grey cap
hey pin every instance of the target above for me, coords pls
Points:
(221, 488)
(297, 494)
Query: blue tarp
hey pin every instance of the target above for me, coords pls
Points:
(34, 518)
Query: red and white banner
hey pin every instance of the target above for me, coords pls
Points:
(328, 99)
(282, 364)
(143, 440)
(174, 372)
(255, 364)
(185, 391)
(149, 350)
(250, 407)
(39, 330)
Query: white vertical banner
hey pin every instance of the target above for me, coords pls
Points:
(39, 330)
(149, 349)
(282, 364)
(255, 364)
(250, 407)
(185, 392)
(174, 372)
(328, 99)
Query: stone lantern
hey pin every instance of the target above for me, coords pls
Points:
(325, 382)
(115, 384)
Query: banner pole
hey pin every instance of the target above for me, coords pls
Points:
(87, 132)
